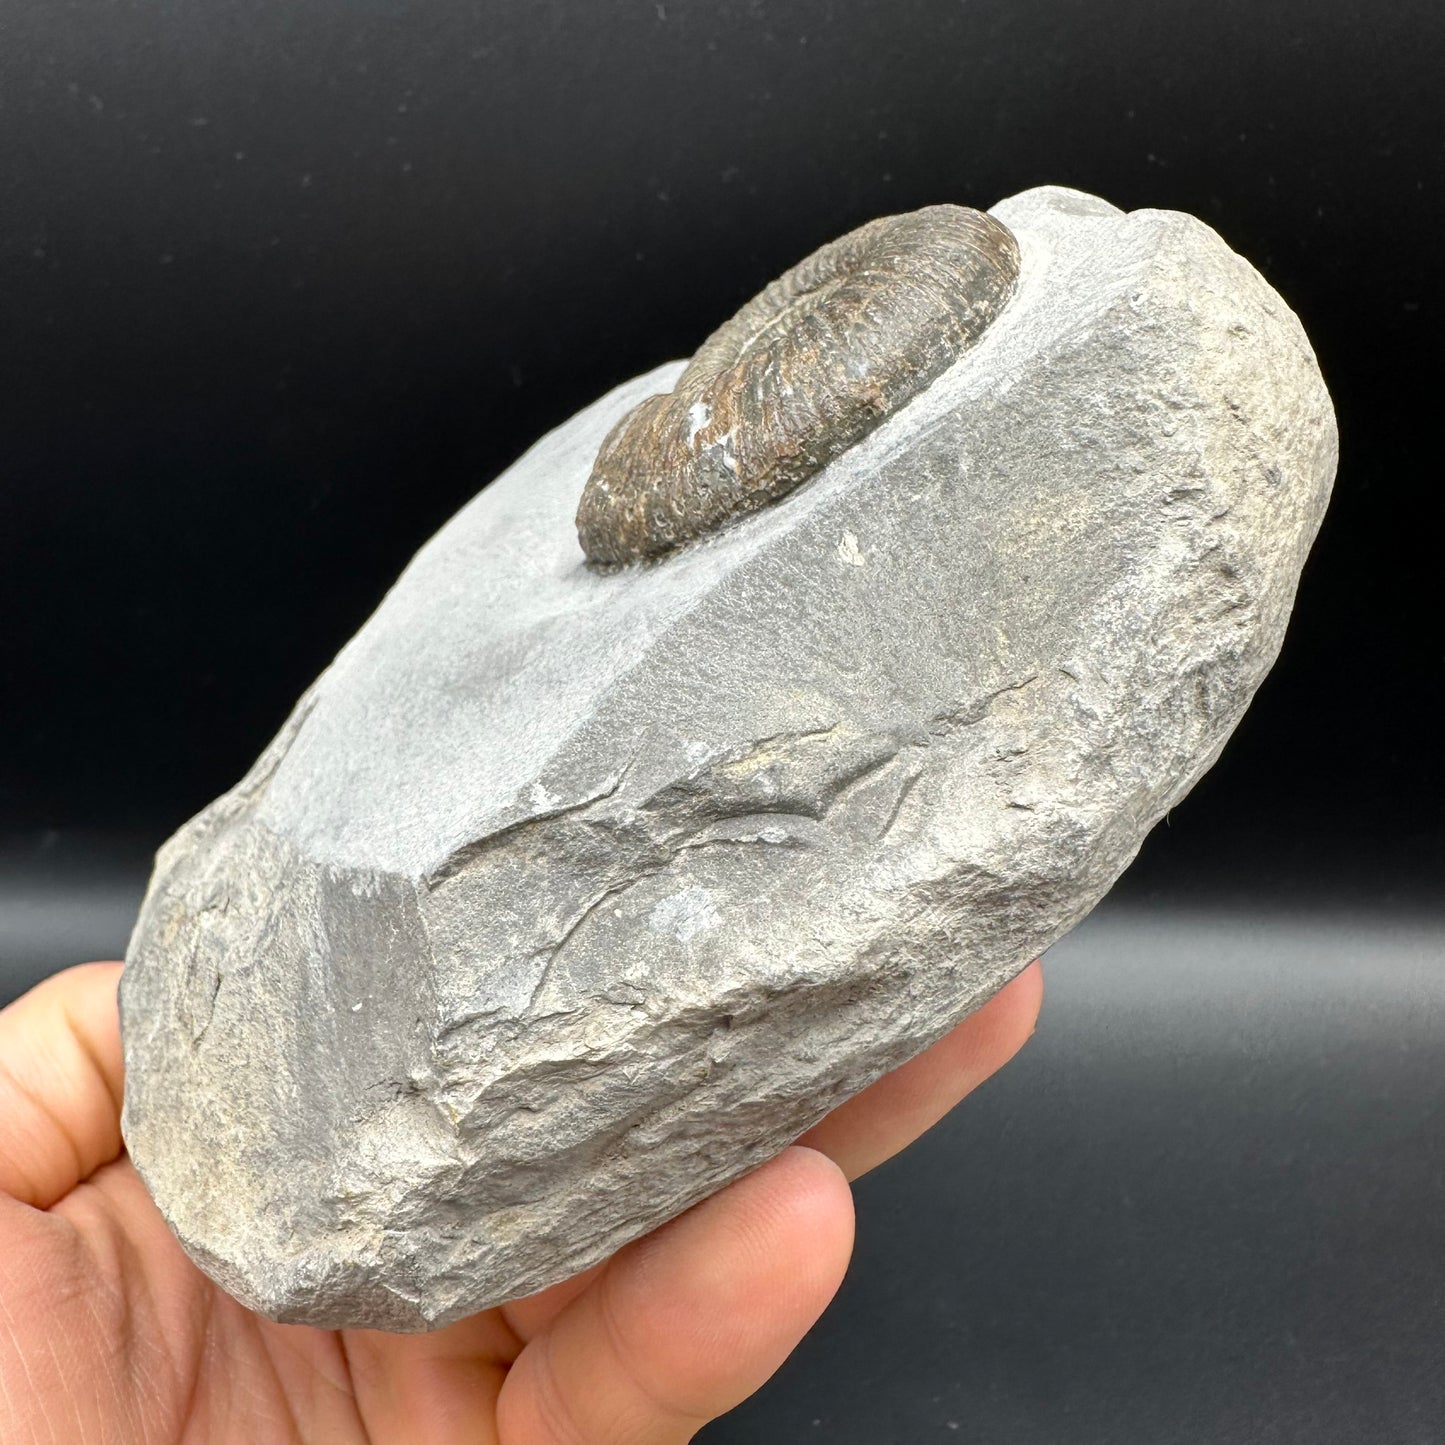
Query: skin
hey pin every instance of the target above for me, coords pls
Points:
(108, 1333)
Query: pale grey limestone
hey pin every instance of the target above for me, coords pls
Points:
(565, 897)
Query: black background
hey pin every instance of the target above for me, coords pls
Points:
(281, 284)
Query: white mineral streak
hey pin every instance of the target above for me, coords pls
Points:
(638, 874)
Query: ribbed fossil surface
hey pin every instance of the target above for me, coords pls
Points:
(805, 370)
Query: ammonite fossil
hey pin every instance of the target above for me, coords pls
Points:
(807, 368)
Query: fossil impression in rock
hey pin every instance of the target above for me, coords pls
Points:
(589, 876)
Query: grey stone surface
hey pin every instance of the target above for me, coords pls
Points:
(565, 897)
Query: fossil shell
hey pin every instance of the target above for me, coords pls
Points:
(807, 368)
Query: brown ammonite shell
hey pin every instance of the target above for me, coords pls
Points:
(807, 368)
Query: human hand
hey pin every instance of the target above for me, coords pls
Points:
(108, 1333)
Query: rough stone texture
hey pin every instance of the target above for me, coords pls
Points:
(565, 897)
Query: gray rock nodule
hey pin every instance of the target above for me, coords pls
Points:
(567, 895)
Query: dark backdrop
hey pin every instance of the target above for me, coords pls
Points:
(282, 282)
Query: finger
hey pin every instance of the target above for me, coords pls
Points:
(60, 1084)
(437, 1387)
(526, 1317)
(891, 1114)
(684, 1324)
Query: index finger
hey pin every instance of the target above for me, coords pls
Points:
(889, 1115)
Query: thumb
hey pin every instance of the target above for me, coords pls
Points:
(60, 1084)
(688, 1322)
